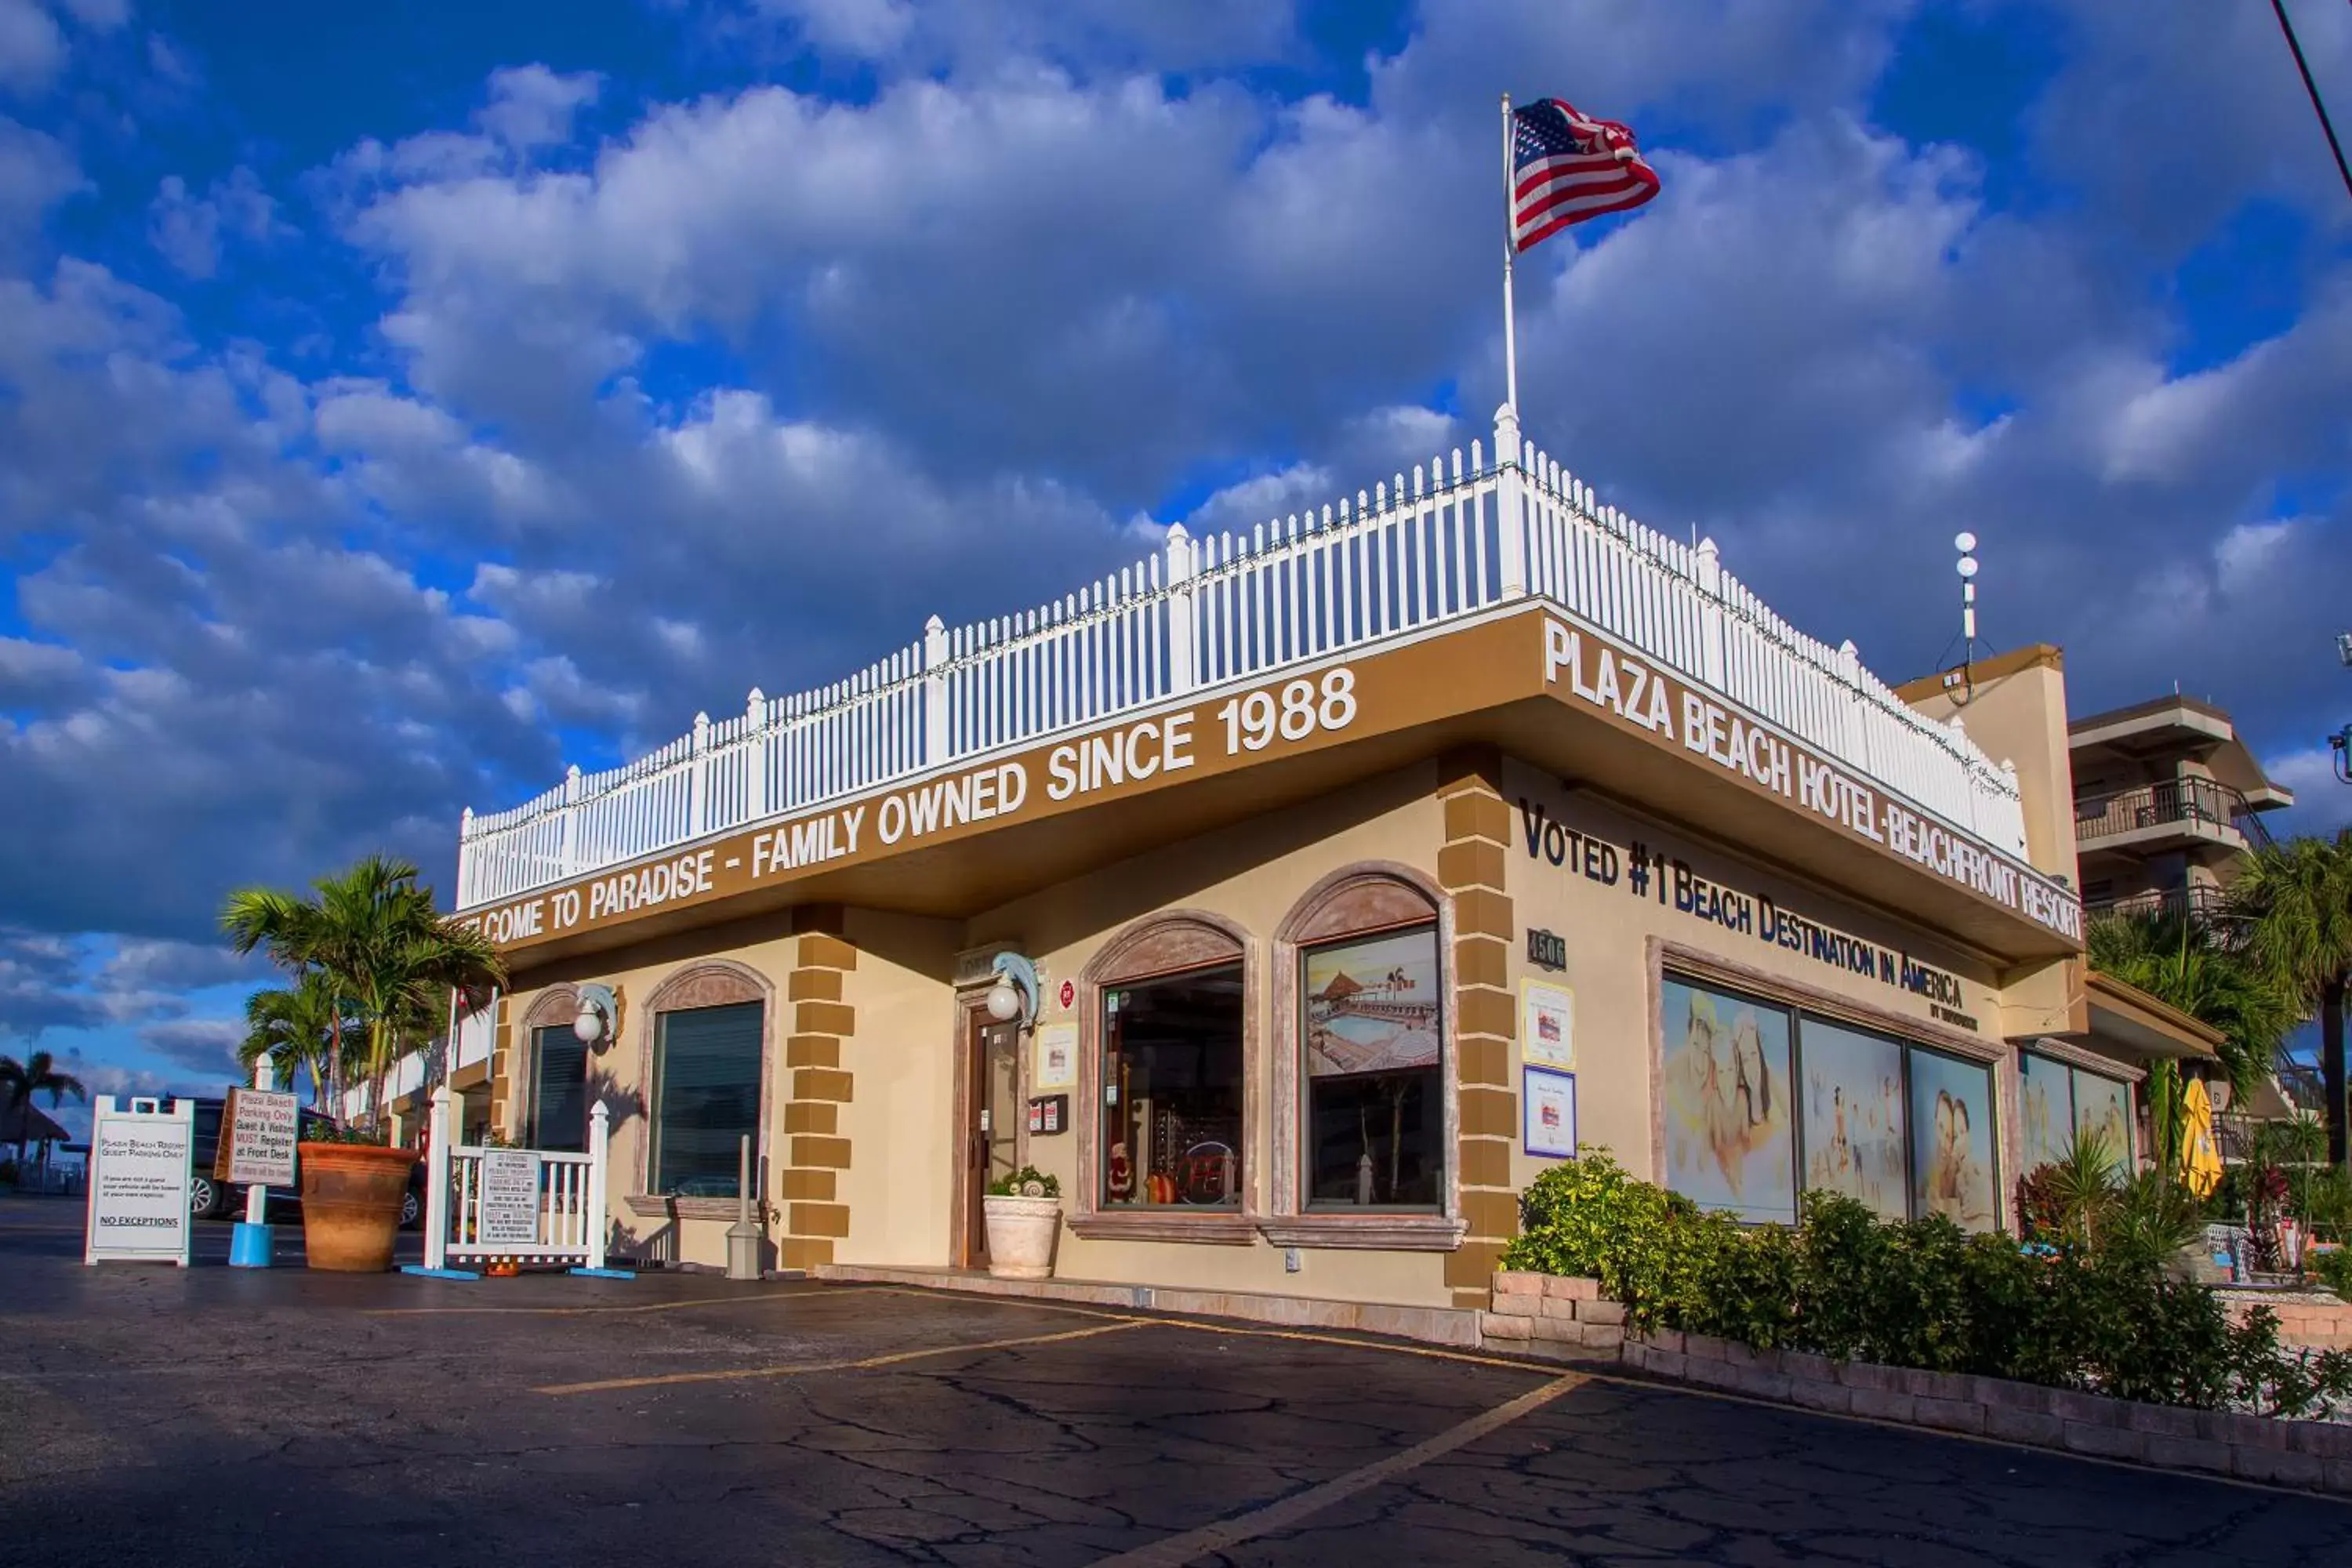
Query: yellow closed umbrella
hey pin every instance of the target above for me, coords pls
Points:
(2201, 1156)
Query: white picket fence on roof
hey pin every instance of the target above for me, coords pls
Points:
(1448, 541)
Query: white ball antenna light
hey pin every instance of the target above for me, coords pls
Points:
(1966, 543)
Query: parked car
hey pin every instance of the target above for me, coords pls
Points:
(211, 1199)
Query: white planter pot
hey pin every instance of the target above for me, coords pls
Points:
(1020, 1233)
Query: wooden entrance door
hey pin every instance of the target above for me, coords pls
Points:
(993, 1111)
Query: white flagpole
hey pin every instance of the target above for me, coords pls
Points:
(1510, 314)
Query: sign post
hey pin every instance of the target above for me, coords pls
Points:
(140, 1159)
(257, 1150)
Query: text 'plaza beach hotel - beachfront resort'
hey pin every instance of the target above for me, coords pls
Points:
(1366, 863)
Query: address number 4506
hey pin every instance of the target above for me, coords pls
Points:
(1293, 711)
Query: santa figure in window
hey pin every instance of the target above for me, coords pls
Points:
(1122, 1173)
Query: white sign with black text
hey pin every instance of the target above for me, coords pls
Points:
(138, 1168)
(510, 1198)
(260, 1129)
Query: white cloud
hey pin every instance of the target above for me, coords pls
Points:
(531, 106)
(2323, 801)
(32, 50)
(188, 229)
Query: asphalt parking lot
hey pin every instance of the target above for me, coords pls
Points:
(218, 1416)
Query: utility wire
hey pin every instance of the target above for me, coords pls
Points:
(2311, 86)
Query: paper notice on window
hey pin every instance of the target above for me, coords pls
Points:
(1548, 1025)
(1057, 1066)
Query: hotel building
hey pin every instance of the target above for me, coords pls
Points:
(1368, 863)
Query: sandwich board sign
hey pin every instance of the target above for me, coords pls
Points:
(257, 1146)
(140, 1157)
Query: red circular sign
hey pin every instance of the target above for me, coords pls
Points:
(1069, 994)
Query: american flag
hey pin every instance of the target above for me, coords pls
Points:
(1567, 167)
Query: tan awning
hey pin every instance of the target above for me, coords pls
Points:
(2127, 1019)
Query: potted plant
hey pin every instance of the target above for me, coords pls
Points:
(1024, 1216)
(372, 938)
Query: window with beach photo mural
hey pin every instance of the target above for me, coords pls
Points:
(1730, 1143)
(1905, 1130)
(1951, 1141)
(1375, 1084)
(2045, 1107)
(2104, 1106)
(1854, 1116)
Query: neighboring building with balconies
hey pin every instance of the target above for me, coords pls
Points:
(2167, 806)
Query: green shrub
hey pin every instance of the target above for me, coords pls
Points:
(2096, 1311)
(2333, 1270)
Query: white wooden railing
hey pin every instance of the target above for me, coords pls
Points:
(1453, 540)
(567, 1216)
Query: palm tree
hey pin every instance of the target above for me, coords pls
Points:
(2199, 968)
(299, 1028)
(22, 1081)
(2297, 898)
(379, 942)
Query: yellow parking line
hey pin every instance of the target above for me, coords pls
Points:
(793, 1369)
(1433, 1352)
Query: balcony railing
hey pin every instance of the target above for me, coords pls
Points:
(2191, 801)
(1458, 540)
(2198, 902)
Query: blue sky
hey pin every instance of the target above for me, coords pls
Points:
(397, 403)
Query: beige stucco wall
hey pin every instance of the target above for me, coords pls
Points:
(1253, 875)
(2019, 715)
(1610, 933)
(618, 1074)
(899, 1119)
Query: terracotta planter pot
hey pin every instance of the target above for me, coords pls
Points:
(350, 1205)
(1020, 1236)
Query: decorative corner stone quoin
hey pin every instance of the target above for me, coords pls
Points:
(1559, 1319)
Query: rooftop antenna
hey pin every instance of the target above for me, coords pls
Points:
(1960, 680)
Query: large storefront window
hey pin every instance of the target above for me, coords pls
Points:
(2045, 1109)
(558, 1098)
(2103, 1106)
(2058, 1103)
(1951, 1141)
(1375, 1118)
(1172, 1077)
(1731, 1136)
(1905, 1130)
(1855, 1134)
(706, 1098)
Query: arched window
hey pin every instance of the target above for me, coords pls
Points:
(1364, 1072)
(705, 1070)
(554, 1074)
(1170, 1006)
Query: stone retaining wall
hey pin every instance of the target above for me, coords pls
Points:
(2308, 1318)
(1567, 1320)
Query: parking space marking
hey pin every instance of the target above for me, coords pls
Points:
(1433, 1352)
(1227, 1533)
(594, 1310)
(861, 1363)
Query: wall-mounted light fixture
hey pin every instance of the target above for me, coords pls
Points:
(598, 1008)
(1014, 994)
